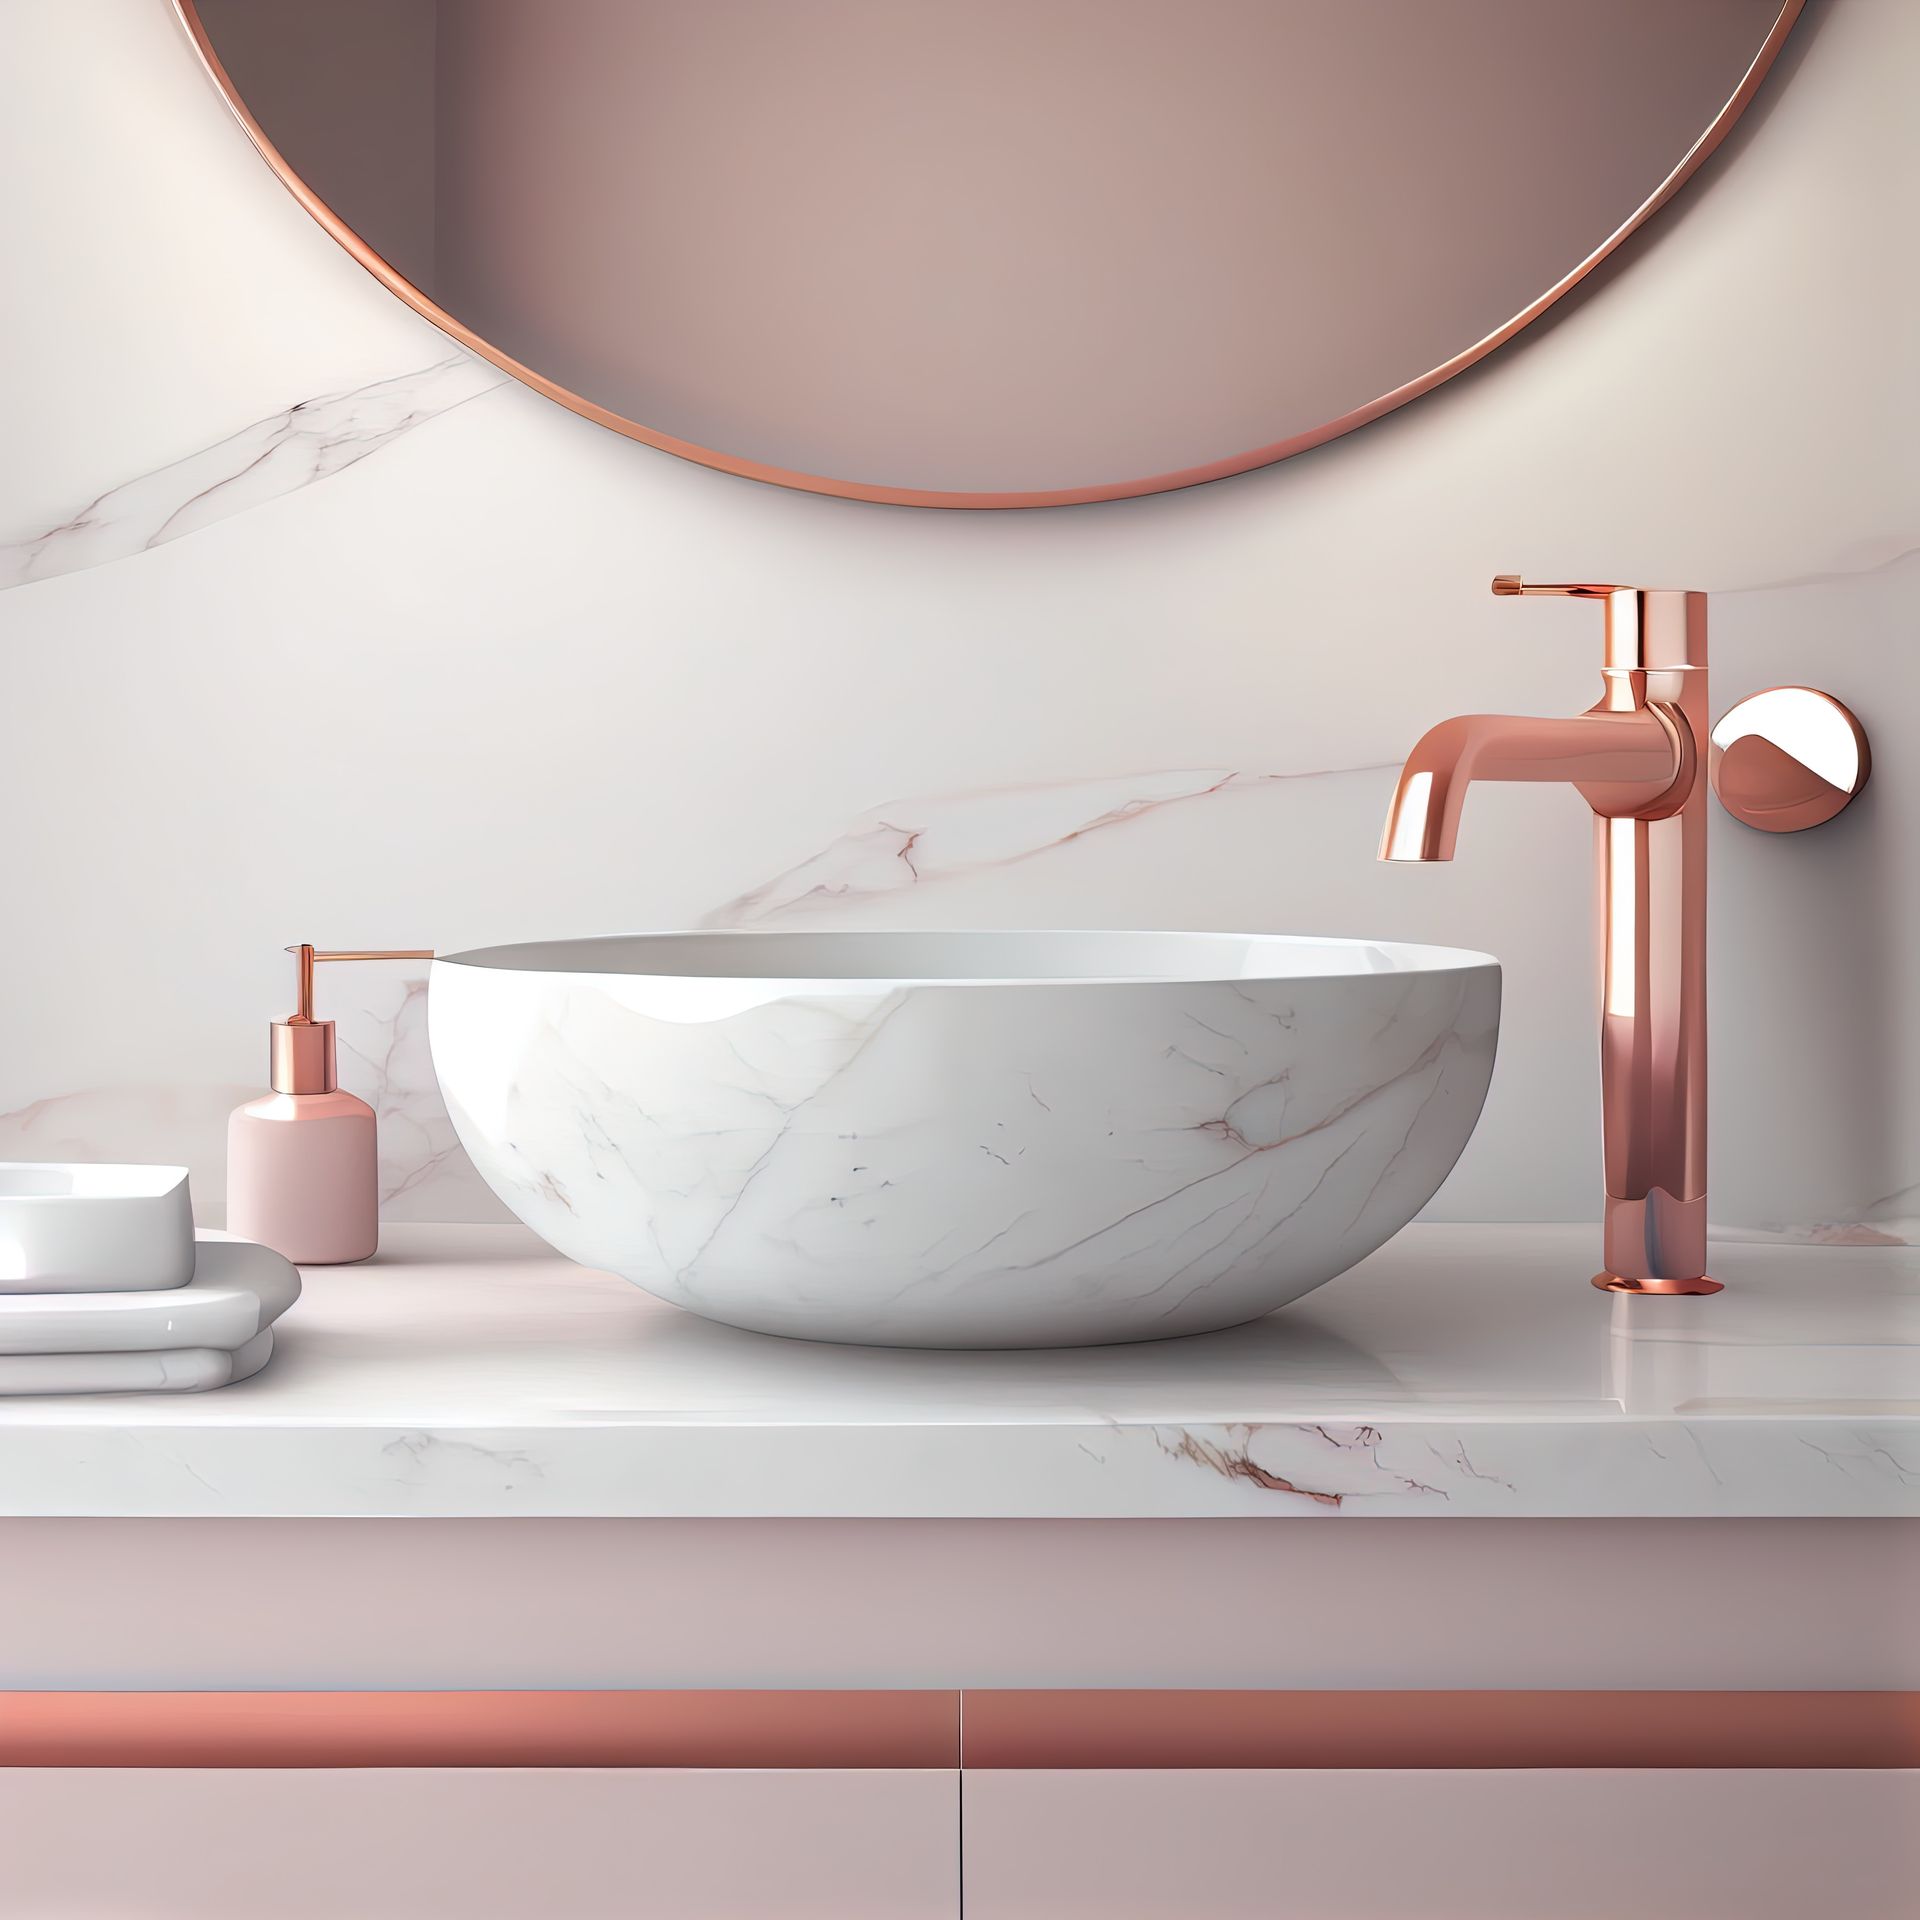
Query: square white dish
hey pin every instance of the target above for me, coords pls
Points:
(82, 1227)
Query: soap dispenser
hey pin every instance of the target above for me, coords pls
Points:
(301, 1160)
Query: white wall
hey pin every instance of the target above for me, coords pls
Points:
(497, 673)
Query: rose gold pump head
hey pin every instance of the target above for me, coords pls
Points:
(304, 1057)
(1637, 757)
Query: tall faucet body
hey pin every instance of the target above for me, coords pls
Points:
(1639, 759)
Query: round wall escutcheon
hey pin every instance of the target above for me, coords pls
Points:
(1787, 759)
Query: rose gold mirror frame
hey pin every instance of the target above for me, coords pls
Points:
(397, 283)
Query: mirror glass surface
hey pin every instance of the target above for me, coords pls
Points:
(995, 252)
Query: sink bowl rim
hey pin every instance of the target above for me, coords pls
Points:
(618, 956)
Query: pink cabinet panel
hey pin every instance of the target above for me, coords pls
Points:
(501, 1843)
(1573, 1843)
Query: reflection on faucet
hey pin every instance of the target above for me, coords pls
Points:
(1649, 1370)
(1636, 757)
(1775, 1346)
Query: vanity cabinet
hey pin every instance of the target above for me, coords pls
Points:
(478, 1843)
(610, 1843)
(1585, 1615)
(1469, 1844)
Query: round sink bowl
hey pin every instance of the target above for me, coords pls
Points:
(966, 1139)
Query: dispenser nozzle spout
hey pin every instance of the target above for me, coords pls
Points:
(309, 956)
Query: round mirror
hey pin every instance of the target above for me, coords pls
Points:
(985, 252)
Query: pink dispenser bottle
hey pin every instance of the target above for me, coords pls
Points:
(301, 1160)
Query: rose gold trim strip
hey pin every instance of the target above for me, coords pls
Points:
(1178, 1729)
(1059, 497)
(799, 1729)
(1003, 1729)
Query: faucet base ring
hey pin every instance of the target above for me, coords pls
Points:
(1614, 1283)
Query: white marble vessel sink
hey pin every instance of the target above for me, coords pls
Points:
(82, 1227)
(966, 1139)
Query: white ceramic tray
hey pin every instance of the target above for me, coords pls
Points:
(237, 1290)
(172, 1370)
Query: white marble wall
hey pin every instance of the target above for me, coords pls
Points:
(320, 630)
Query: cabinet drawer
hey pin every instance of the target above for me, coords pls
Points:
(1480, 1844)
(477, 1843)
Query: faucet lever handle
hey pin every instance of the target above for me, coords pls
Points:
(1505, 584)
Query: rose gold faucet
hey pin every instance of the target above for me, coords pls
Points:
(1639, 759)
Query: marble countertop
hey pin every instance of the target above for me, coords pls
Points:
(1460, 1370)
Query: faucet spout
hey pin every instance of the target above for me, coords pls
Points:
(1636, 760)
(1625, 762)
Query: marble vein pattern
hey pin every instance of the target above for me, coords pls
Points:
(423, 1171)
(1879, 556)
(923, 839)
(382, 1027)
(973, 1164)
(1483, 1469)
(251, 1457)
(181, 1124)
(1876, 1230)
(293, 448)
